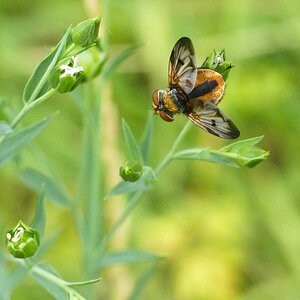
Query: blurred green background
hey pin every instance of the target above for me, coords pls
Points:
(226, 233)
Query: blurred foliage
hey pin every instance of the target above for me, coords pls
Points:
(225, 233)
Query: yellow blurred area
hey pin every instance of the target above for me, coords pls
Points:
(225, 233)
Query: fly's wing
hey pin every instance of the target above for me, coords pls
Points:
(182, 66)
(210, 118)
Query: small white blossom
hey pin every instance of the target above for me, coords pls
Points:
(71, 71)
(219, 59)
(18, 234)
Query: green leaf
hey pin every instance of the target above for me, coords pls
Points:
(46, 244)
(125, 187)
(10, 280)
(15, 142)
(236, 146)
(82, 283)
(206, 155)
(131, 144)
(141, 283)
(37, 85)
(5, 128)
(111, 67)
(126, 257)
(37, 180)
(39, 221)
(147, 137)
(241, 153)
(44, 275)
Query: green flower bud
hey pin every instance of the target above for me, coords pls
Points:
(22, 241)
(217, 62)
(250, 156)
(85, 33)
(66, 77)
(92, 60)
(131, 172)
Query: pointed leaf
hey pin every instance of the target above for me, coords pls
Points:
(146, 139)
(126, 257)
(46, 244)
(86, 282)
(110, 68)
(236, 146)
(44, 276)
(39, 221)
(15, 142)
(10, 279)
(37, 180)
(132, 146)
(37, 85)
(5, 128)
(141, 283)
(206, 155)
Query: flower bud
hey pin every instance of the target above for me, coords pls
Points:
(65, 78)
(22, 241)
(217, 62)
(92, 60)
(131, 172)
(85, 33)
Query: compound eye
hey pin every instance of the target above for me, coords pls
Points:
(155, 99)
(166, 117)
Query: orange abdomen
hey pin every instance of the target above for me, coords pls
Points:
(209, 86)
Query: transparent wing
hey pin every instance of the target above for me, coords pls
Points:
(212, 119)
(182, 66)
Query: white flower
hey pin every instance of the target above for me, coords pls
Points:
(71, 70)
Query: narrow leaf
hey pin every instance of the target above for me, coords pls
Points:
(81, 283)
(10, 279)
(126, 257)
(15, 142)
(236, 146)
(5, 128)
(39, 221)
(132, 146)
(37, 180)
(37, 85)
(125, 187)
(46, 278)
(141, 283)
(110, 68)
(206, 155)
(146, 139)
(46, 244)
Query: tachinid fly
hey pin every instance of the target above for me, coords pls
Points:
(194, 92)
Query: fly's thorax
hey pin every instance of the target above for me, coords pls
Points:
(171, 103)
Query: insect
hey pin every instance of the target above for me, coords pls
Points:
(194, 92)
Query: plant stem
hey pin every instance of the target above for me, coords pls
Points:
(30, 105)
(57, 281)
(136, 196)
(132, 204)
(169, 155)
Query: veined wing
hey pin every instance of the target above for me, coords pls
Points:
(182, 66)
(212, 119)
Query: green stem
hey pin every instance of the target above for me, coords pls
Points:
(169, 155)
(136, 196)
(132, 204)
(57, 281)
(30, 105)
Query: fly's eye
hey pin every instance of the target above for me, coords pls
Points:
(155, 99)
(166, 117)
